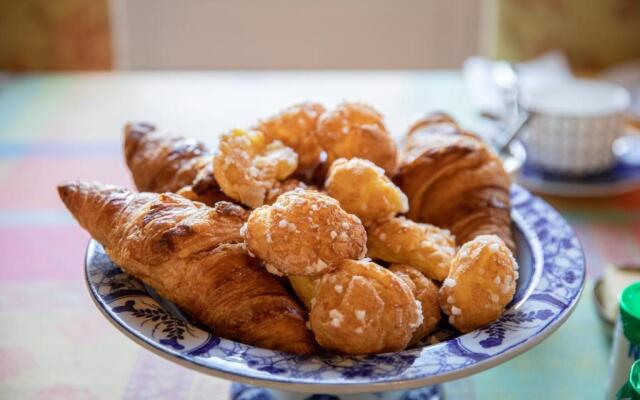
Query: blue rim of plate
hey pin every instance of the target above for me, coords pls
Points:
(551, 292)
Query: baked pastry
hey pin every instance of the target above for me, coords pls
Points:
(426, 292)
(362, 189)
(423, 246)
(194, 256)
(164, 163)
(304, 233)
(362, 308)
(296, 128)
(481, 283)
(357, 130)
(247, 167)
(453, 180)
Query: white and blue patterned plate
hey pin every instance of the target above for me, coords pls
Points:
(552, 275)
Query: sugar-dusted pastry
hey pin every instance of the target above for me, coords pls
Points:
(453, 180)
(481, 283)
(165, 163)
(357, 130)
(362, 308)
(194, 256)
(363, 189)
(247, 166)
(296, 128)
(305, 233)
(426, 292)
(284, 187)
(423, 246)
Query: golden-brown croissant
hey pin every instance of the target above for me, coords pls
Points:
(164, 163)
(453, 180)
(194, 256)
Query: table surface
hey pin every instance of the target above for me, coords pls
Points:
(53, 342)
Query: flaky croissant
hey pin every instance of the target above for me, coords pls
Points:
(165, 163)
(194, 256)
(453, 180)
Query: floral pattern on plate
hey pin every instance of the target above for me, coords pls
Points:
(552, 275)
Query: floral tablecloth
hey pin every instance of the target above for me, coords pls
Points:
(53, 342)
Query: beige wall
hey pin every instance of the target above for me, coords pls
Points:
(252, 34)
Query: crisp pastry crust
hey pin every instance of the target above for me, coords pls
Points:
(423, 246)
(165, 163)
(247, 167)
(363, 189)
(357, 130)
(304, 233)
(296, 127)
(453, 180)
(426, 292)
(481, 283)
(194, 256)
(362, 308)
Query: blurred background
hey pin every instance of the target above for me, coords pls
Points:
(73, 72)
(40, 35)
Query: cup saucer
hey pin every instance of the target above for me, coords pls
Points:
(622, 178)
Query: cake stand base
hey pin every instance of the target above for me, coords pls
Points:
(241, 391)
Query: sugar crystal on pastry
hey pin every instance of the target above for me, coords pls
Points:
(296, 127)
(247, 167)
(301, 247)
(357, 130)
(375, 312)
(473, 299)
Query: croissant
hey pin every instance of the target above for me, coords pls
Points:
(164, 163)
(194, 256)
(453, 180)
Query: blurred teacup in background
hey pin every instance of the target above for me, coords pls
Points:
(573, 126)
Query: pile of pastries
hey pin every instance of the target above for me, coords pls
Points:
(311, 230)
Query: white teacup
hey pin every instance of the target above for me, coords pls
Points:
(573, 126)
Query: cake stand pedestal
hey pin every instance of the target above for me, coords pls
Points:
(241, 391)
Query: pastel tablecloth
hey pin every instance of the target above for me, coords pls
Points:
(53, 342)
